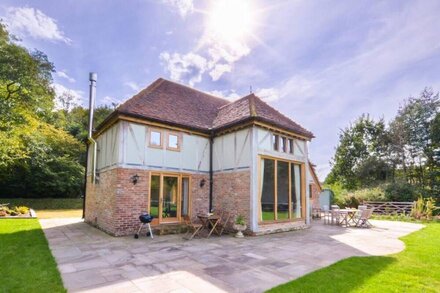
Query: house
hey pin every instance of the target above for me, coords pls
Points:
(175, 152)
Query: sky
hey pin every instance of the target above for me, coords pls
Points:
(322, 63)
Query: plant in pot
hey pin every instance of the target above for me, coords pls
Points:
(240, 226)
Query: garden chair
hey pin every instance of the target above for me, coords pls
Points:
(335, 213)
(326, 214)
(363, 221)
(358, 214)
(193, 229)
(223, 222)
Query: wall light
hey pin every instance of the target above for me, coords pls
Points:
(134, 179)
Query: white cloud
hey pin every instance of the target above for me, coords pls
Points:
(64, 75)
(134, 86)
(66, 98)
(219, 70)
(227, 94)
(183, 7)
(27, 21)
(184, 67)
(108, 100)
(268, 94)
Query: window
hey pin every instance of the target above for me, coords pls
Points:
(283, 144)
(281, 192)
(155, 138)
(275, 139)
(291, 146)
(173, 141)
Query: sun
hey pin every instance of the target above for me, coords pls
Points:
(230, 20)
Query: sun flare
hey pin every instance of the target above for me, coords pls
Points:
(231, 20)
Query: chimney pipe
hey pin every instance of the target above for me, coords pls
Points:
(93, 77)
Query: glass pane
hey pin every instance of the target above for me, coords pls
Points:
(282, 190)
(267, 189)
(155, 138)
(169, 208)
(275, 139)
(283, 144)
(172, 141)
(291, 146)
(296, 191)
(154, 196)
(185, 197)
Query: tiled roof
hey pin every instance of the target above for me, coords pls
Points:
(173, 103)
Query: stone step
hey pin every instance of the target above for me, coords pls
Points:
(164, 229)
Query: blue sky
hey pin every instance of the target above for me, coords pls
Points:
(323, 63)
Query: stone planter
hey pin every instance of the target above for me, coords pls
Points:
(240, 229)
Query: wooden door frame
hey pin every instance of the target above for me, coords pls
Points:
(179, 177)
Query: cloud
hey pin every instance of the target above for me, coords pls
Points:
(230, 95)
(219, 70)
(268, 94)
(64, 75)
(108, 100)
(66, 98)
(184, 67)
(134, 86)
(183, 7)
(27, 21)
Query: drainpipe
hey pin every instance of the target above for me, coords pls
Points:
(91, 142)
(211, 183)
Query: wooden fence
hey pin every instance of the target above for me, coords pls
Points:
(390, 207)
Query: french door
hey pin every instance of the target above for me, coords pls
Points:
(169, 197)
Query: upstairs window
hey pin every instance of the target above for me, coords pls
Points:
(291, 146)
(155, 138)
(283, 144)
(275, 139)
(173, 141)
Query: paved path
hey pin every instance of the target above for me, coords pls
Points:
(92, 261)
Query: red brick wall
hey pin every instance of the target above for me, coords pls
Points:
(114, 205)
(314, 192)
(232, 194)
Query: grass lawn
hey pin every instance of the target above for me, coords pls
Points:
(49, 207)
(416, 269)
(27, 264)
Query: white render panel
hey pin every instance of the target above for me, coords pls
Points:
(107, 148)
(232, 150)
(135, 144)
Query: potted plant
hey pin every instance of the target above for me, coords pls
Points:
(240, 226)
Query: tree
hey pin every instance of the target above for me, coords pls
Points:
(360, 144)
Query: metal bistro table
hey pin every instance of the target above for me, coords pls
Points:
(209, 220)
(346, 216)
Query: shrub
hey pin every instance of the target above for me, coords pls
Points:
(423, 208)
(22, 210)
(400, 191)
(345, 198)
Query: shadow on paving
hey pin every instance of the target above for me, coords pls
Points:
(90, 260)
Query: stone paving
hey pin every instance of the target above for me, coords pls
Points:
(91, 261)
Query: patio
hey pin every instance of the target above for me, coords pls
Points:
(92, 261)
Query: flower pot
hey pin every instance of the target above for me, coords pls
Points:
(240, 229)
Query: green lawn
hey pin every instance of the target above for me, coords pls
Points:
(26, 263)
(416, 269)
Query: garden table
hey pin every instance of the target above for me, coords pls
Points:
(209, 220)
(346, 216)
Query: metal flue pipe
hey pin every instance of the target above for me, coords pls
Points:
(93, 77)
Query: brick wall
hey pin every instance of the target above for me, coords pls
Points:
(232, 194)
(199, 195)
(314, 192)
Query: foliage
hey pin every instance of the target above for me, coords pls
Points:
(346, 198)
(402, 157)
(416, 269)
(42, 150)
(239, 220)
(423, 208)
(27, 264)
(13, 211)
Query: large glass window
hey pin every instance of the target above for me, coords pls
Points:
(268, 190)
(280, 190)
(154, 196)
(295, 192)
(185, 197)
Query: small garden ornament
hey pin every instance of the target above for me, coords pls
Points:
(240, 226)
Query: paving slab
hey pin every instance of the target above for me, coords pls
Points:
(91, 261)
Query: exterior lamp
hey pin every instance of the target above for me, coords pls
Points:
(134, 179)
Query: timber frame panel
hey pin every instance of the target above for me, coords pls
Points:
(303, 190)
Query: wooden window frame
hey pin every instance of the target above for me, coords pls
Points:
(302, 188)
(151, 130)
(180, 177)
(179, 141)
